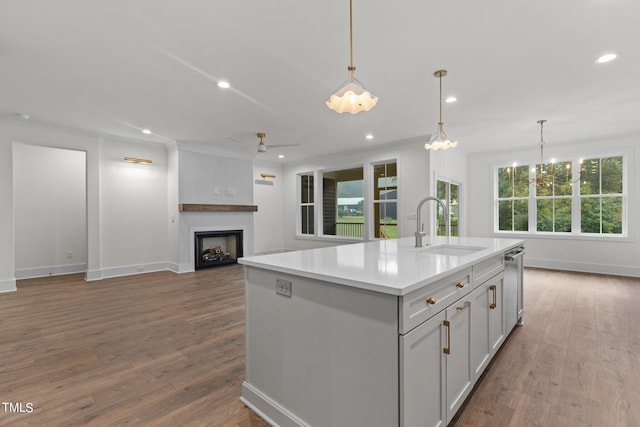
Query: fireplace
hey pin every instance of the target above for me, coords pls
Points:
(217, 248)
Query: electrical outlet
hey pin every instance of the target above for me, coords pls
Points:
(283, 287)
(69, 255)
(412, 216)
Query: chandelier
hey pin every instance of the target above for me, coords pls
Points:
(352, 97)
(546, 176)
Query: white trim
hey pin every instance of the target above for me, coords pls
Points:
(8, 286)
(54, 270)
(127, 270)
(615, 270)
(268, 409)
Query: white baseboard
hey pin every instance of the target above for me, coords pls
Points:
(127, 270)
(8, 285)
(615, 270)
(52, 270)
(269, 410)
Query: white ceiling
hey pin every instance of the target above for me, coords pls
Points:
(117, 66)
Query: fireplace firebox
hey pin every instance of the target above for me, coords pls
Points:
(217, 248)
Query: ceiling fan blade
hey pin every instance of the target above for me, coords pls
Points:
(230, 138)
(282, 145)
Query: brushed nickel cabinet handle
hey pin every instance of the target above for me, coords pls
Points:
(431, 301)
(447, 349)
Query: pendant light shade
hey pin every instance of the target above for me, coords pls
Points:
(439, 139)
(352, 97)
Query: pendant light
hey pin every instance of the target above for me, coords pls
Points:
(439, 140)
(352, 97)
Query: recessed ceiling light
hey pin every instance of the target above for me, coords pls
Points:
(451, 99)
(23, 116)
(369, 136)
(281, 156)
(146, 131)
(607, 57)
(223, 84)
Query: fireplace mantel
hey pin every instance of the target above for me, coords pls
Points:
(196, 207)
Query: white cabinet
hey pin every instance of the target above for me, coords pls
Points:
(442, 358)
(487, 325)
(422, 375)
(458, 358)
(435, 369)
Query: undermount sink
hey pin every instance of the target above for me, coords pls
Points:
(450, 250)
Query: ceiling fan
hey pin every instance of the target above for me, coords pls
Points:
(262, 147)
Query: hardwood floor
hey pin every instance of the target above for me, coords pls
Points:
(163, 349)
(154, 349)
(575, 362)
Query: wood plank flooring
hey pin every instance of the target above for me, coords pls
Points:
(575, 362)
(162, 349)
(155, 349)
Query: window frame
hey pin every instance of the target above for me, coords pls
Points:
(575, 197)
(368, 211)
(300, 204)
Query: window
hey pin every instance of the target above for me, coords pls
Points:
(385, 200)
(513, 198)
(554, 199)
(602, 195)
(449, 192)
(343, 202)
(554, 189)
(306, 205)
(359, 202)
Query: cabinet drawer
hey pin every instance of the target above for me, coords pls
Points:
(487, 269)
(423, 303)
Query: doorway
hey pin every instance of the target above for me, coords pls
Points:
(450, 192)
(50, 211)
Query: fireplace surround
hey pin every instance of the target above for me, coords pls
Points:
(217, 248)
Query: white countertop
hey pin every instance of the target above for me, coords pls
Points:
(392, 266)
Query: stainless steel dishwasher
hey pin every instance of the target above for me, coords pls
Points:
(513, 282)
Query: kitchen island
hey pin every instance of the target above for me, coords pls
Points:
(373, 334)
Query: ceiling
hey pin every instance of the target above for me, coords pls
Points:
(118, 66)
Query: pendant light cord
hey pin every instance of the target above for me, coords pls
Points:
(351, 67)
(440, 123)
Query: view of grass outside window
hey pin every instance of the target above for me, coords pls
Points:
(601, 191)
(385, 201)
(343, 202)
(449, 193)
(513, 198)
(306, 204)
(554, 190)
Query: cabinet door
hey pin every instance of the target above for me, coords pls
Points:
(496, 312)
(422, 375)
(459, 374)
(480, 342)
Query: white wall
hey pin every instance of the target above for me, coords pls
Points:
(615, 257)
(133, 208)
(115, 231)
(50, 210)
(268, 195)
(7, 276)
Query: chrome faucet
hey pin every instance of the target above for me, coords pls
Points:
(420, 233)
